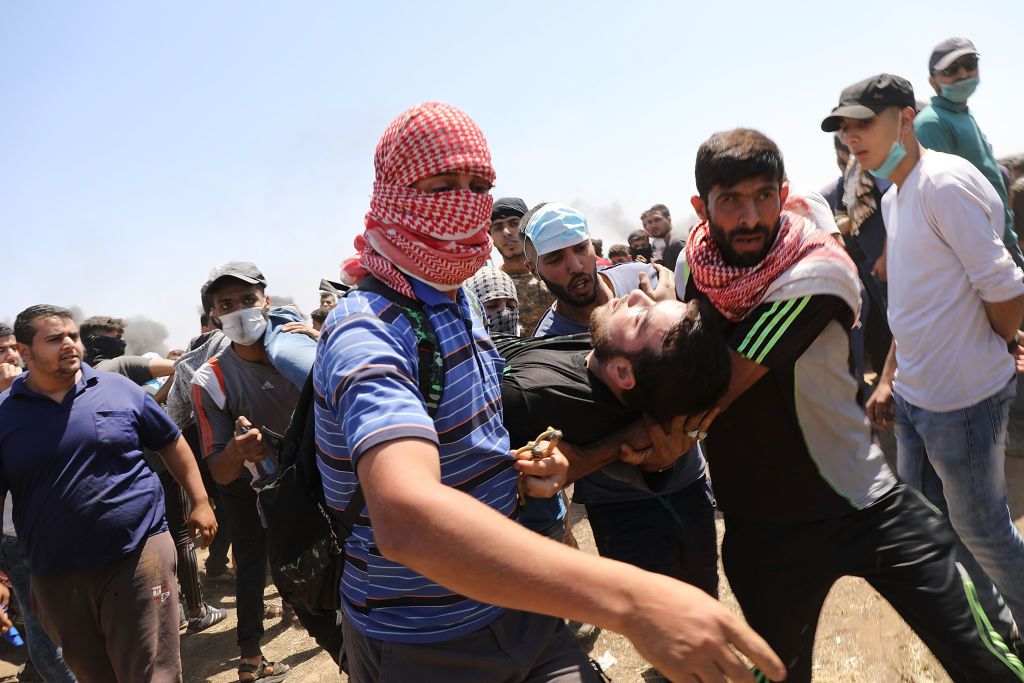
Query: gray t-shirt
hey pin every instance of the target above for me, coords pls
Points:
(135, 368)
(227, 387)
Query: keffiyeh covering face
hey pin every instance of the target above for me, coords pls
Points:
(489, 284)
(438, 238)
(736, 290)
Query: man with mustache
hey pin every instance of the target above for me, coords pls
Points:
(88, 509)
(534, 298)
(806, 494)
(671, 531)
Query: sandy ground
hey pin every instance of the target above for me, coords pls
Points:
(860, 638)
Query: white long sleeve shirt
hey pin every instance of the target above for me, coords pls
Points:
(945, 258)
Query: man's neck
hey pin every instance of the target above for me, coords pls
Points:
(55, 386)
(515, 266)
(254, 353)
(581, 314)
(904, 168)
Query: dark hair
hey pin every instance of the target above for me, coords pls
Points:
(204, 320)
(100, 323)
(688, 377)
(733, 156)
(840, 145)
(1014, 163)
(618, 250)
(598, 245)
(659, 208)
(319, 315)
(25, 330)
(5, 330)
(640, 234)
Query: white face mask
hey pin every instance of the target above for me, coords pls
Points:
(244, 326)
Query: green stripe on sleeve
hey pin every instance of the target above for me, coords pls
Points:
(783, 327)
(761, 321)
(768, 329)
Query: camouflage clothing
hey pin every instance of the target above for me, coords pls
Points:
(534, 300)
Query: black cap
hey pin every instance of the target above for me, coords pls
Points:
(507, 207)
(948, 51)
(239, 270)
(869, 97)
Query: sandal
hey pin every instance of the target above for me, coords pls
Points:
(259, 671)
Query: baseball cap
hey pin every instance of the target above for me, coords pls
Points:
(240, 270)
(507, 207)
(948, 51)
(555, 226)
(867, 98)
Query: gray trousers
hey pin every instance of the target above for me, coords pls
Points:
(517, 647)
(118, 621)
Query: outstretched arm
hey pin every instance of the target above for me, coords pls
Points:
(679, 629)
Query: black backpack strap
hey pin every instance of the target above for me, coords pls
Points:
(431, 362)
(299, 436)
(431, 378)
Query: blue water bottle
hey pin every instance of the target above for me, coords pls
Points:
(12, 634)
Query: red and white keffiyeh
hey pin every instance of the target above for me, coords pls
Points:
(439, 238)
(737, 290)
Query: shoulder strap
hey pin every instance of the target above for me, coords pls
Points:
(431, 377)
(431, 362)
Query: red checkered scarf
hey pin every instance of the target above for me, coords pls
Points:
(439, 238)
(736, 290)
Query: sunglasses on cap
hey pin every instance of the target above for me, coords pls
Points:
(968, 64)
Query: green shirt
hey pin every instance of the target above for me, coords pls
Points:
(949, 127)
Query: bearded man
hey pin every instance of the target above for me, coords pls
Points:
(806, 493)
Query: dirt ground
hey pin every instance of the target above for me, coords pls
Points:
(860, 638)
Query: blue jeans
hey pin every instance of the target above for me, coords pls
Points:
(45, 655)
(957, 460)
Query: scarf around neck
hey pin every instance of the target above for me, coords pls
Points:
(737, 290)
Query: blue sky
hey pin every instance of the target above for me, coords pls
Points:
(144, 143)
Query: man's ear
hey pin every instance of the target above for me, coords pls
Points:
(620, 370)
(699, 206)
(783, 193)
(935, 85)
(24, 351)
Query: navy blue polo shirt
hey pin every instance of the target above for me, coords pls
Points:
(83, 495)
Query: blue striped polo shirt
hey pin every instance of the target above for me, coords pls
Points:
(367, 393)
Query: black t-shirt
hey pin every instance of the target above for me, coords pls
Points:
(796, 445)
(552, 387)
(671, 254)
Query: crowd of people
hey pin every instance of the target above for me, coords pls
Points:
(750, 365)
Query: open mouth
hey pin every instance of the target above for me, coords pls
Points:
(580, 285)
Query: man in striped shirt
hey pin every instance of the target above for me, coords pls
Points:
(440, 582)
